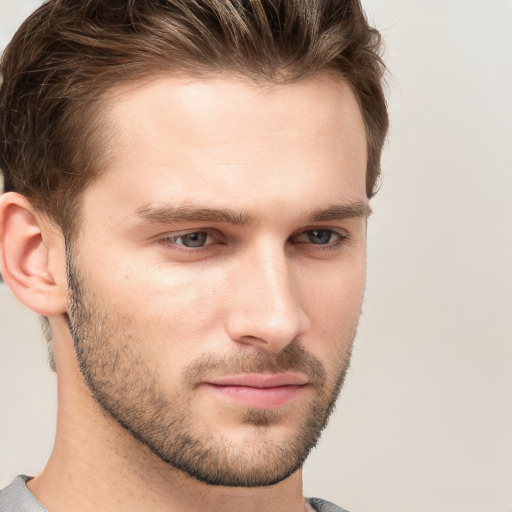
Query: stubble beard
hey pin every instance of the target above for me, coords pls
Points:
(122, 381)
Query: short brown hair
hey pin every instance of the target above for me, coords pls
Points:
(70, 53)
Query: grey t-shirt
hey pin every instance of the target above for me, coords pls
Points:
(17, 498)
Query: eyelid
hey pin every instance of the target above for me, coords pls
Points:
(342, 233)
(169, 239)
(341, 237)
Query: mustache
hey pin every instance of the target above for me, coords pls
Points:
(292, 358)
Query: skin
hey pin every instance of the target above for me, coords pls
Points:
(283, 273)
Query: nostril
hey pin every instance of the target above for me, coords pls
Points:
(262, 329)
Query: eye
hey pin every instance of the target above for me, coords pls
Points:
(196, 239)
(319, 237)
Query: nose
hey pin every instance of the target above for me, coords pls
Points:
(266, 309)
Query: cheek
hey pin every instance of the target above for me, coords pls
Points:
(336, 293)
(174, 310)
(333, 306)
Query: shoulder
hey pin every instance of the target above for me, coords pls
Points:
(17, 498)
(324, 506)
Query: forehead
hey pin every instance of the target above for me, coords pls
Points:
(180, 138)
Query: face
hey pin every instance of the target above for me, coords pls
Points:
(217, 277)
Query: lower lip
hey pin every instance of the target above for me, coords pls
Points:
(258, 398)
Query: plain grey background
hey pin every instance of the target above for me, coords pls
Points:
(425, 419)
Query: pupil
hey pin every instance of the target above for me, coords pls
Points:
(194, 239)
(319, 236)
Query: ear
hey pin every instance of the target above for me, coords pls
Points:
(32, 256)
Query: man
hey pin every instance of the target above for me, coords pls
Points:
(187, 187)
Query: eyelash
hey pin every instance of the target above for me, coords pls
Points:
(334, 244)
(340, 239)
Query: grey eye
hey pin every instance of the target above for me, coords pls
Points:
(197, 239)
(319, 236)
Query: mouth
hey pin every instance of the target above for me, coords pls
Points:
(259, 391)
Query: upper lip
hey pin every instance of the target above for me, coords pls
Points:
(260, 380)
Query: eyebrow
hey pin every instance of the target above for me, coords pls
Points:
(188, 213)
(343, 211)
(154, 214)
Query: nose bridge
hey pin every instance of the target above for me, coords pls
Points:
(267, 306)
(273, 279)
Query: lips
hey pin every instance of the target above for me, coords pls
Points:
(259, 391)
(260, 380)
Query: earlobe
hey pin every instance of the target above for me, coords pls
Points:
(32, 256)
